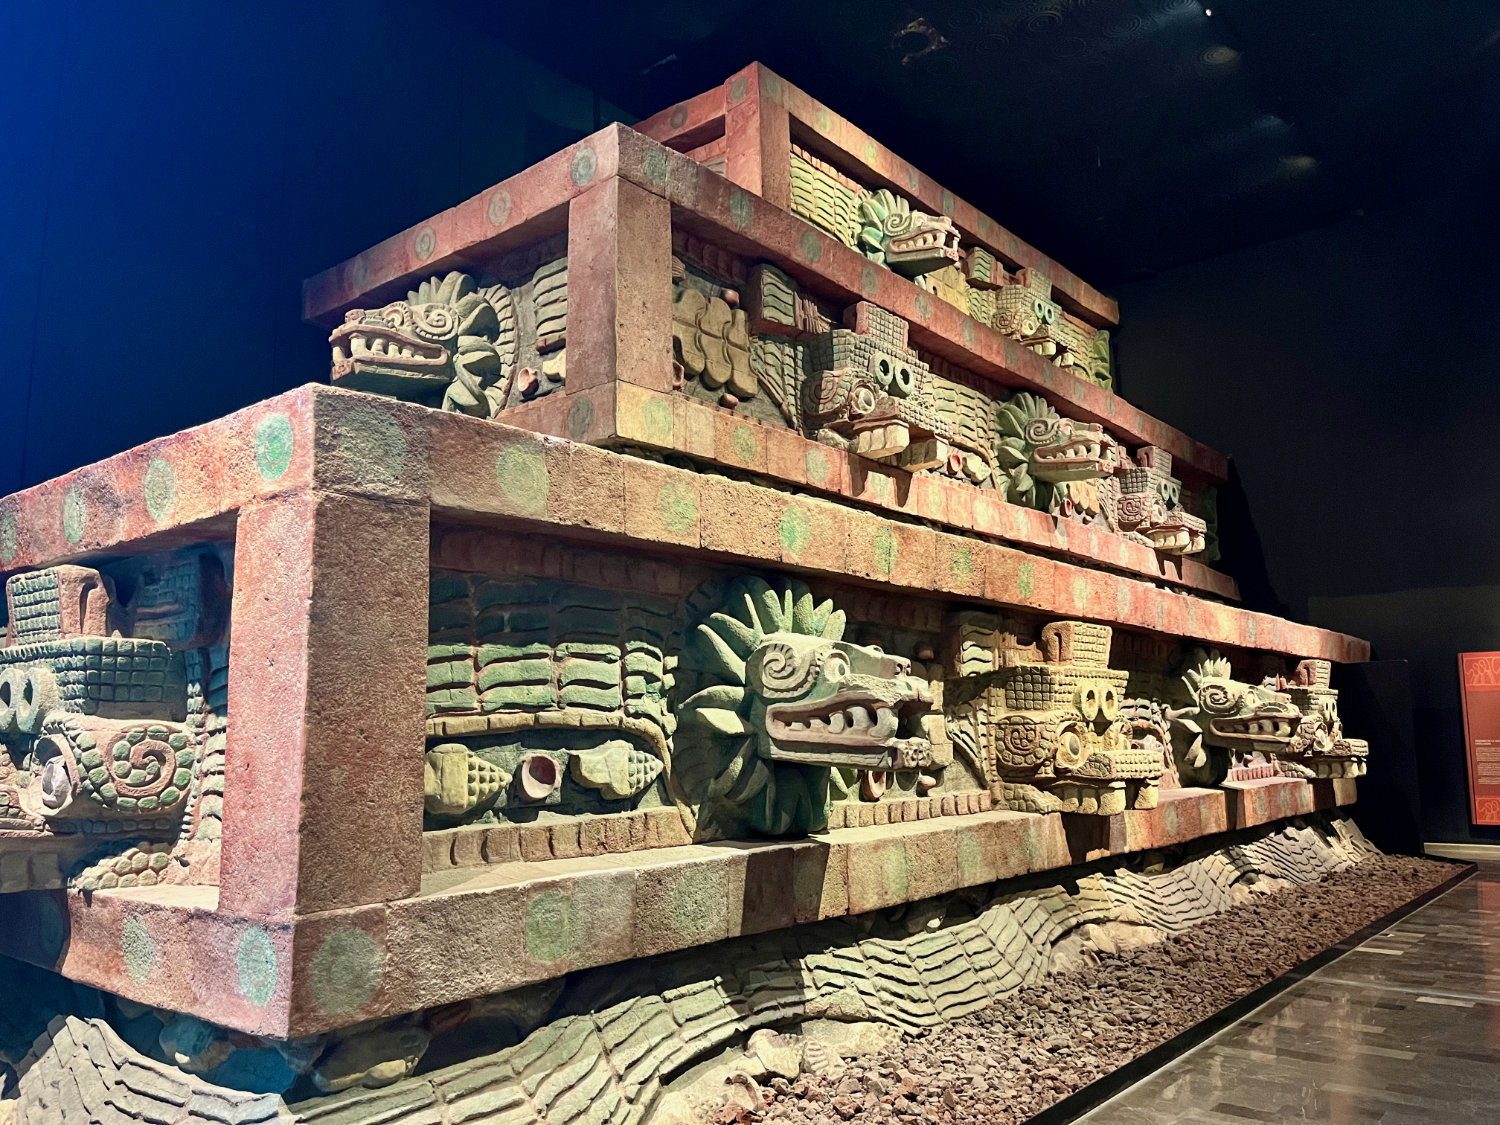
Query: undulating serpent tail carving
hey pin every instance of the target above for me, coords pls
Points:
(605, 1049)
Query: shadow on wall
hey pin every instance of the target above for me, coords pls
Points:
(1316, 361)
(1242, 555)
(1429, 628)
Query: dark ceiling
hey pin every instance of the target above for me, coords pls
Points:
(1119, 136)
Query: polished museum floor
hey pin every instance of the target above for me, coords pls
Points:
(1403, 1029)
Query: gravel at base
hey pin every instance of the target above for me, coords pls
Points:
(1033, 1048)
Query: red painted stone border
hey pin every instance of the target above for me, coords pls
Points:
(476, 931)
(757, 113)
(324, 916)
(557, 193)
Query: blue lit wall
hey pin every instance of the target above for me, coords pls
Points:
(171, 171)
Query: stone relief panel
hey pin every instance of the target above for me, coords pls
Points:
(723, 705)
(1044, 718)
(747, 338)
(473, 345)
(113, 712)
(850, 378)
(883, 226)
(1238, 723)
(734, 707)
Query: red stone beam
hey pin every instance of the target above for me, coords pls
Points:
(742, 221)
(179, 948)
(322, 918)
(767, 156)
(329, 440)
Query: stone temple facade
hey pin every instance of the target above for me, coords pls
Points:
(718, 543)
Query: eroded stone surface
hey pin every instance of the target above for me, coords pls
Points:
(612, 1041)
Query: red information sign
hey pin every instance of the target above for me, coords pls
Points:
(1479, 679)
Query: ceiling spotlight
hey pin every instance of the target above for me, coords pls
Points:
(916, 39)
(1208, 11)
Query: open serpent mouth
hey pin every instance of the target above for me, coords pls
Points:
(852, 729)
(371, 344)
(1275, 728)
(1170, 538)
(937, 242)
(1122, 765)
(1074, 458)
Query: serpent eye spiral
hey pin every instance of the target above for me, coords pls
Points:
(1218, 697)
(782, 672)
(1041, 431)
(434, 322)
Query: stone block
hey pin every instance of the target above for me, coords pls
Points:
(689, 901)
(662, 505)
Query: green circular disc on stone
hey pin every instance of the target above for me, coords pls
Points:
(368, 445)
(425, 243)
(824, 120)
(359, 273)
(499, 207)
(737, 89)
(584, 163)
(580, 418)
(962, 563)
(872, 152)
(10, 539)
(794, 529)
(656, 166)
(161, 489)
(1026, 579)
(817, 466)
(883, 548)
(924, 306)
(345, 972)
(657, 416)
(677, 506)
(812, 246)
(273, 446)
(255, 958)
(139, 949)
(745, 445)
(948, 204)
(869, 281)
(552, 930)
(75, 515)
(740, 212)
(521, 471)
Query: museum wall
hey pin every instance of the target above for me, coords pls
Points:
(1350, 373)
(170, 181)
